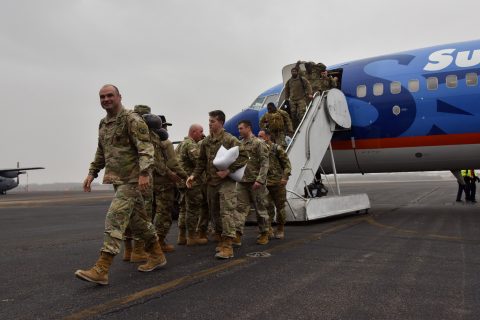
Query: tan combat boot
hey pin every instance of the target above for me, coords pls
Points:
(127, 250)
(202, 237)
(280, 234)
(219, 246)
(237, 241)
(99, 272)
(262, 238)
(138, 253)
(156, 258)
(226, 250)
(166, 247)
(182, 237)
(271, 235)
(194, 239)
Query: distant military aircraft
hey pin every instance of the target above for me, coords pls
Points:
(7, 177)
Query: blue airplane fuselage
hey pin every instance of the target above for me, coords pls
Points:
(417, 110)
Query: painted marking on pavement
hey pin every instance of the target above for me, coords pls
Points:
(40, 202)
(98, 309)
(375, 223)
(124, 301)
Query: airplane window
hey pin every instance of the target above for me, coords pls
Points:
(395, 87)
(273, 98)
(361, 91)
(472, 79)
(413, 85)
(432, 83)
(258, 103)
(451, 81)
(378, 89)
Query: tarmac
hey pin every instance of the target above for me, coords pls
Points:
(415, 255)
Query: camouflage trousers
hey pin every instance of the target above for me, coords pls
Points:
(181, 222)
(276, 199)
(148, 202)
(222, 201)
(204, 218)
(127, 209)
(297, 110)
(195, 206)
(278, 137)
(164, 197)
(246, 197)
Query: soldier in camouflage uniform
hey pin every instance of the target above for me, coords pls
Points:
(125, 151)
(136, 252)
(222, 198)
(205, 222)
(326, 81)
(182, 188)
(312, 73)
(147, 194)
(278, 173)
(252, 189)
(298, 92)
(195, 204)
(279, 124)
(167, 172)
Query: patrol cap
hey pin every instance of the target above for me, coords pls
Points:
(164, 120)
(153, 121)
(142, 109)
(271, 104)
(321, 66)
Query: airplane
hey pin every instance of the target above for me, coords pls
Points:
(7, 177)
(417, 110)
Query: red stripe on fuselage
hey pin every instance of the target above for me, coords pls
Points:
(405, 142)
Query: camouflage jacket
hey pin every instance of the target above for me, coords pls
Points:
(124, 149)
(208, 151)
(297, 89)
(166, 161)
(326, 83)
(280, 166)
(188, 152)
(257, 164)
(314, 79)
(269, 120)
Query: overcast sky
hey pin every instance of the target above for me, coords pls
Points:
(182, 58)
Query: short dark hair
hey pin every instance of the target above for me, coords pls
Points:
(271, 104)
(218, 114)
(247, 123)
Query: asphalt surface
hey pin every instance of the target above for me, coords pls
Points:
(414, 256)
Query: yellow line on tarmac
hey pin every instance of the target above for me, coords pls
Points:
(40, 202)
(375, 223)
(96, 310)
(316, 236)
(101, 308)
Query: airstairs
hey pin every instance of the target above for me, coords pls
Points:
(311, 142)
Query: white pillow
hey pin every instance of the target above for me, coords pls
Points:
(225, 157)
(238, 175)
